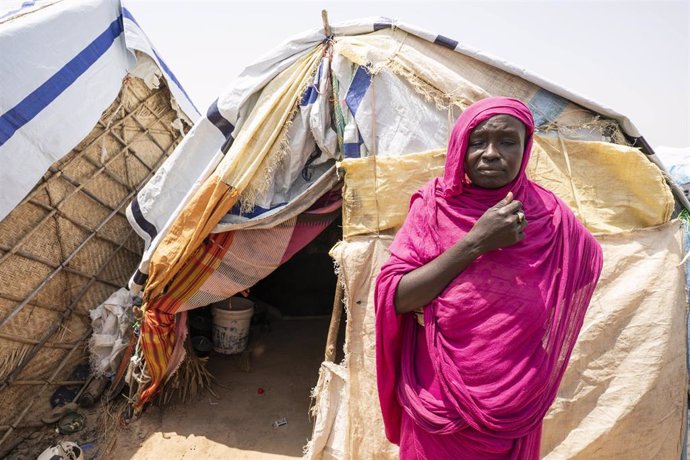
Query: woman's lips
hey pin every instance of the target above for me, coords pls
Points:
(489, 171)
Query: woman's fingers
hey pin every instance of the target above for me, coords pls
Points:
(505, 201)
(511, 208)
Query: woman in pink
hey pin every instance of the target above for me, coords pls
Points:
(503, 273)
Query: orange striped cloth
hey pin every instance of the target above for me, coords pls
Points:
(157, 338)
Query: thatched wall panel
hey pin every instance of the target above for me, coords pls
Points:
(41, 198)
(18, 223)
(55, 191)
(93, 297)
(74, 327)
(19, 276)
(161, 137)
(120, 268)
(11, 353)
(45, 362)
(124, 144)
(31, 322)
(107, 190)
(13, 401)
(118, 230)
(80, 169)
(138, 91)
(109, 151)
(138, 169)
(84, 210)
(71, 236)
(92, 256)
(44, 242)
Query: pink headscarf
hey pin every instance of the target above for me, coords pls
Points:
(486, 367)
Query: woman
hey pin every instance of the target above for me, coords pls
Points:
(504, 273)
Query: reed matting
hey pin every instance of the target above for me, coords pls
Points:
(67, 246)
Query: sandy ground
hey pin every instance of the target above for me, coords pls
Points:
(284, 362)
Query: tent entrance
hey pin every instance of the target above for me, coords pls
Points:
(268, 383)
(303, 286)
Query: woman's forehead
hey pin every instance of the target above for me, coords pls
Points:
(501, 122)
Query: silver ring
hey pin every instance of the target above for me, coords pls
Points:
(520, 217)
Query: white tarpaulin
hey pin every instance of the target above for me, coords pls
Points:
(62, 65)
(158, 205)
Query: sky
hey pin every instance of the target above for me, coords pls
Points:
(631, 56)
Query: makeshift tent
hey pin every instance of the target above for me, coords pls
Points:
(88, 112)
(370, 104)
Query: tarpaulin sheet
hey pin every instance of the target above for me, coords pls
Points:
(57, 79)
(254, 150)
(609, 187)
(624, 392)
(414, 53)
(623, 395)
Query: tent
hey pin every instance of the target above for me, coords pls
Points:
(87, 115)
(350, 120)
(367, 106)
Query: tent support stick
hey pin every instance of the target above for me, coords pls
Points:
(334, 327)
(39, 304)
(326, 25)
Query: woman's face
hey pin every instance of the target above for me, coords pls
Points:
(494, 151)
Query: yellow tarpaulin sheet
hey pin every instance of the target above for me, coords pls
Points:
(609, 187)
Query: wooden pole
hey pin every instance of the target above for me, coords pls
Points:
(334, 327)
(326, 25)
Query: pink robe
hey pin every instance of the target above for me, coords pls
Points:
(476, 381)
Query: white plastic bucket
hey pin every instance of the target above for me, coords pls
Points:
(231, 321)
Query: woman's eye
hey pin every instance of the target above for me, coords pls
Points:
(476, 143)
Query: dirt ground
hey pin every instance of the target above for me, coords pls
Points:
(284, 363)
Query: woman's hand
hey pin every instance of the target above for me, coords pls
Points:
(500, 226)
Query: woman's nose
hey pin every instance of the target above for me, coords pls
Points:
(491, 152)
